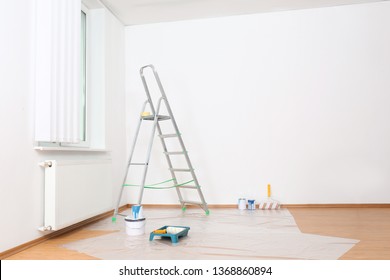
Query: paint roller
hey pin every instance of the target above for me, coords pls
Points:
(269, 204)
(169, 230)
(174, 230)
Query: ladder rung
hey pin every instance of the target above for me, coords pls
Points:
(159, 117)
(138, 163)
(188, 187)
(180, 169)
(192, 202)
(175, 153)
(168, 135)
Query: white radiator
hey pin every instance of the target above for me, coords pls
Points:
(75, 191)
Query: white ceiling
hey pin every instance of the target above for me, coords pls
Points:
(132, 12)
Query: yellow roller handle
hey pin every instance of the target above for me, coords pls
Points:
(269, 190)
(160, 231)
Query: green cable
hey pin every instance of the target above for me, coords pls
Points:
(127, 185)
(159, 188)
(168, 187)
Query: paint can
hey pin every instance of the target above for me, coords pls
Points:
(135, 227)
(242, 203)
(251, 204)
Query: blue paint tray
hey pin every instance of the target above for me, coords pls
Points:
(174, 237)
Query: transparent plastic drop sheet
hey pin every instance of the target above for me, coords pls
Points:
(224, 234)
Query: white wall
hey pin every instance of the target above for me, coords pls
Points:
(298, 99)
(21, 187)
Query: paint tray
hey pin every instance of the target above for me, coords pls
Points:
(173, 236)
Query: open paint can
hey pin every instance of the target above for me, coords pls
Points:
(135, 227)
(251, 204)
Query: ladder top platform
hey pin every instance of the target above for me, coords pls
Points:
(159, 117)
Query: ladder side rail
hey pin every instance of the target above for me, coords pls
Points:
(130, 158)
(149, 151)
(171, 115)
(176, 128)
(145, 84)
(173, 175)
(189, 164)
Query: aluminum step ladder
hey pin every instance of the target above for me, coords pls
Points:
(156, 118)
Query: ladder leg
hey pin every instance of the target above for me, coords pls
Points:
(155, 124)
(128, 164)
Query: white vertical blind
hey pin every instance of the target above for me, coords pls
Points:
(57, 70)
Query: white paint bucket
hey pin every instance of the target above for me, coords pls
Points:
(135, 227)
(242, 203)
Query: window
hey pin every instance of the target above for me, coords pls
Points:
(83, 89)
(84, 94)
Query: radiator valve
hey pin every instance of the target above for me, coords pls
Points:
(46, 164)
(48, 228)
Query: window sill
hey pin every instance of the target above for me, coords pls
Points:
(73, 149)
